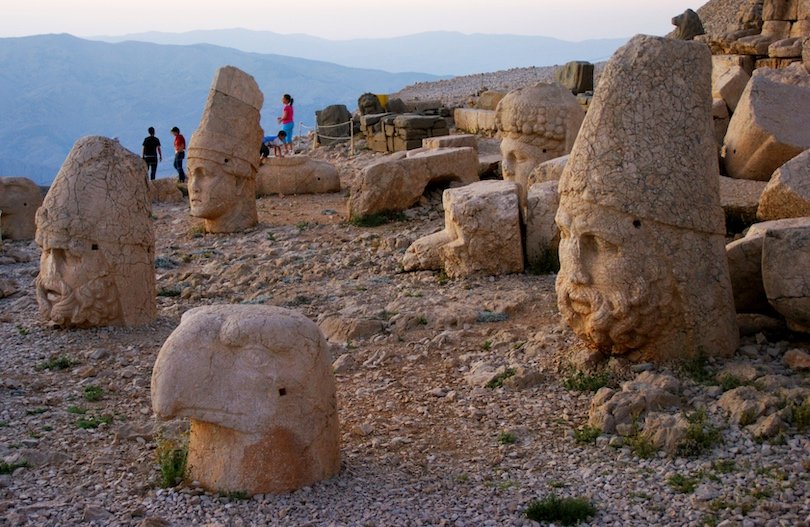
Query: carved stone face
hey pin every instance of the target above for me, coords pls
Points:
(75, 287)
(519, 159)
(212, 191)
(611, 287)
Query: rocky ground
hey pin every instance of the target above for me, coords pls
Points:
(424, 441)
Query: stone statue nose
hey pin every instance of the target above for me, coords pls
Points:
(579, 274)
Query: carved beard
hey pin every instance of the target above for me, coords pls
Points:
(94, 303)
(618, 320)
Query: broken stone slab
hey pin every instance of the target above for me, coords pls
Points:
(542, 233)
(786, 48)
(730, 86)
(451, 141)
(19, 200)
(768, 127)
(776, 29)
(481, 234)
(745, 265)
(786, 274)
(296, 175)
(475, 121)
(787, 194)
(740, 199)
(576, 75)
(550, 170)
(396, 182)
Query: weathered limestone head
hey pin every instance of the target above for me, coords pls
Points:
(98, 244)
(536, 123)
(369, 104)
(257, 383)
(688, 24)
(223, 153)
(642, 265)
(19, 199)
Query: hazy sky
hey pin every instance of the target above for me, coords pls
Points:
(344, 19)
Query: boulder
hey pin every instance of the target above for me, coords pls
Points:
(576, 75)
(257, 383)
(296, 175)
(542, 233)
(745, 405)
(730, 86)
(489, 100)
(800, 28)
(768, 127)
(618, 412)
(740, 199)
(786, 48)
(334, 124)
(19, 200)
(787, 194)
(786, 274)
(396, 182)
(785, 10)
(165, 191)
(550, 170)
(720, 118)
(475, 121)
(481, 234)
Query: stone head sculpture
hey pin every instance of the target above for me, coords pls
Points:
(257, 383)
(19, 199)
(223, 154)
(642, 265)
(536, 123)
(688, 24)
(98, 244)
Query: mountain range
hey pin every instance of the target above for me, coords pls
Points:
(55, 89)
(437, 52)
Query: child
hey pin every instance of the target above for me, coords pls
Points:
(287, 122)
(276, 141)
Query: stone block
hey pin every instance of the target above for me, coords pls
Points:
(730, 86)
(800, 28)
(489, 100)
(785, 10)
(720, 118)
(396, 183)
(786, 274)
(451, 141)
(542, 233)
(787, 194)
(296, 175)
(769, 126)
(481, 235)
(19, 200)
(475, 121)
(576, 75)
(786, 48)
(776, 29)
(740, 199)
(550, 170)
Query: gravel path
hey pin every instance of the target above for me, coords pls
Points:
(420, 444)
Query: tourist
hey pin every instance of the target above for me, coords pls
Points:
(287, 122)
(179, 153)
(151, 153)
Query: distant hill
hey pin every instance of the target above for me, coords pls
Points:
(57, 88)
(437, 52)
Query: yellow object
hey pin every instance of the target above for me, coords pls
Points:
(383, 98)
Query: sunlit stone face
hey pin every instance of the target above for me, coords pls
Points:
(611, 289)
(211, 191)
(519, 158)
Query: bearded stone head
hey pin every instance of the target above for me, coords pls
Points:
(97, 240)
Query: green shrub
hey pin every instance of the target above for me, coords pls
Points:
(700, 436)
(565, 511)
(584, 382)
(171, 458)
(683, 484)
(640, 446)
(800, 415)
(88, 423)
(497, 382)
(586, 434)
(697, 368)
(507, 438)
(61, 362)
(8, 468)
(93, 393)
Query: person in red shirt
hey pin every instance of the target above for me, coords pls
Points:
(179, 153)
(287, 122)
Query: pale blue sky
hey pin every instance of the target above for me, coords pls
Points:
(344, 19)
